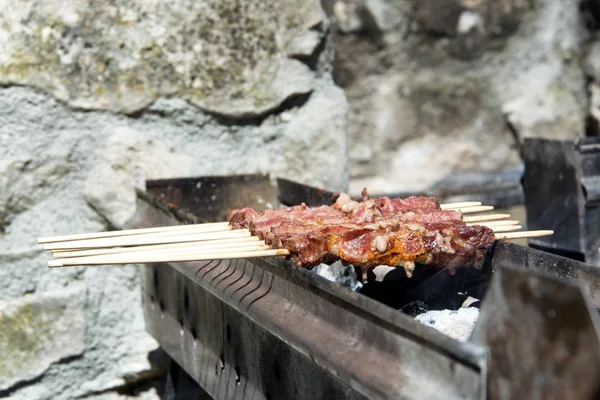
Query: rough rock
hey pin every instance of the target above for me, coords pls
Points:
(39, 330)
(314, 141)
(592, 70)
(150, 394)
(550, 109)
(118, 351)
(459, 89)
(592, 61)
(345, 16)
(20, 273)
(106, 154)
(122, 351)
(473, 26)
(425, 124)
(128, 160)
(594, 89)
(224, 56)
(304, 44)
(26, 180)
(385, 15)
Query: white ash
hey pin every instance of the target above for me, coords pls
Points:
(469, 301)
(336, 272)
(458, 324)
(381, 271)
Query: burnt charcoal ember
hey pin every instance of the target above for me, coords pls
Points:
(449, 290)
(455, 243)
(393, 290)
(336, 272)
(391, 293)
(241, 218)
(438, 289)
(415, 308)
(450, 244)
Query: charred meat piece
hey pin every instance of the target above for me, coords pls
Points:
(448, 244)
(377, 231)
(242, 217)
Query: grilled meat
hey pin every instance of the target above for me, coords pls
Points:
(346, 210)
(377, 231)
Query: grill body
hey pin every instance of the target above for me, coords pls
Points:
(266, 329)
(561, 183)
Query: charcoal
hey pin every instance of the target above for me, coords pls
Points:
(415, 308)
(336, 272)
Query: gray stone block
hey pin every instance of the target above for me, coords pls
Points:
(38, 330)
(222, 55)
(95, 99)
(459, 90)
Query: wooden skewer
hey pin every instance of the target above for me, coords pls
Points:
(149, 257)
(239, 243)
(181, 232)
(490, 224)
(205, 227)
(505, 228)
(143, 236)
(155, 238)
(489, 217)
(177, 250)
(209, 227)
(202, 245)
(183, 236)
(524, 234)
(454, 206)
(470, 210)
(136, 241)
(55, 251)
(185, 230)
(135, 258)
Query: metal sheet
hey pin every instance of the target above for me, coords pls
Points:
(540, 262)
(542, 336)
(210, 197)
(562, 192)
(267, 329)
(553, 193)
(498, 189)
(292, 193)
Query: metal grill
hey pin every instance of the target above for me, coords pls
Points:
(266, 329)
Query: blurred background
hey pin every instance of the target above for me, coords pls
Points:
(393, 95)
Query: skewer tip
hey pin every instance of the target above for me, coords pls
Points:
(454, 206)
(487, 217)
(505, 228)
(476, 209)
(524, 234)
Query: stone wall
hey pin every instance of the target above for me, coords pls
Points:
(438, 87)
(95, 99)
